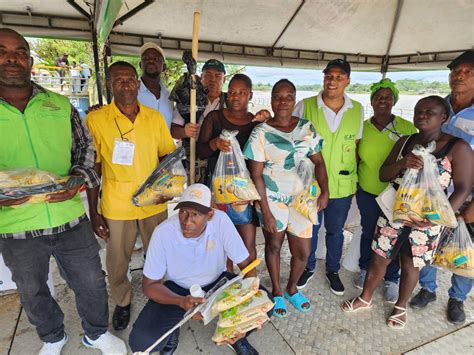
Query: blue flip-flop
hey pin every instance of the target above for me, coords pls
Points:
(297, 300)
(279, 304)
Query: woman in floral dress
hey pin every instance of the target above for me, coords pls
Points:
(414, 244)
(274, 151)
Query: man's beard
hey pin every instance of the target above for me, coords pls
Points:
(16, 82)
(154, 75)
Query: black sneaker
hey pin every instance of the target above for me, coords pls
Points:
(243, 347)
(335, 283)
(456, 313)
(171, 344)
(304, 278)
(422, 299)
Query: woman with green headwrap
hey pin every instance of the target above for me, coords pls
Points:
(381, 131)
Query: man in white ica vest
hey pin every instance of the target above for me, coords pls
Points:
(339, 120)
(189, 248)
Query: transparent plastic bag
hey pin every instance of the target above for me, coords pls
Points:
(231, 181)
(420, 196)
(167, 180)
(455, 251)
(254, 307)
(18, 183)
(306, 200)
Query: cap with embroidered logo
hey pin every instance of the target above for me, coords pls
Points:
(339, 63)
(197, 197)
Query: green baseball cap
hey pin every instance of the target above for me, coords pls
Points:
(214, 64)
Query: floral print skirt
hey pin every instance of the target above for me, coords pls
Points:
(423, 242)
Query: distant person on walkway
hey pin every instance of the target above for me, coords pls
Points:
(381, 131)
(85, 76)
(189, 248)
(274, 150)
(75, 73)
(62, 64)
(153, 92)
(460, 124)
(415, 244)
(130, 140)
(41, 129)
(339, 121)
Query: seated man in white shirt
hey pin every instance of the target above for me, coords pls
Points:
(189, 248)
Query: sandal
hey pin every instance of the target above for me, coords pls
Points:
(297, 300)
(348, 306)
(394, 321)
(279, 305)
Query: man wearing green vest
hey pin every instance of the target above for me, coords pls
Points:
(339, 120)
(40, 129)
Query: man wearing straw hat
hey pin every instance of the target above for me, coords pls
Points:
(152, 91)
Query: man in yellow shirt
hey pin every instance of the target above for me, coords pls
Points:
(130, 140)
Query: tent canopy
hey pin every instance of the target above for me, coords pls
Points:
(371, 34)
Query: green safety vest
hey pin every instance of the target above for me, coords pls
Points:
(339, 148)
(41, 138)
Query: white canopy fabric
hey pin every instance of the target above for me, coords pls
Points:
(374, 35)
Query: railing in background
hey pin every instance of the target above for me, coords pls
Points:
(77, 89)
(60, 80)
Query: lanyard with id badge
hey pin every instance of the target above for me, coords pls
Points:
(123, 149)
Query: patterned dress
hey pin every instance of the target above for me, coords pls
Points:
(423, 241)
(281, 153)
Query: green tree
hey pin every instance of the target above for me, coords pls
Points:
(50, 49)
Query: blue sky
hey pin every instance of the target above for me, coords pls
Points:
(308, 77)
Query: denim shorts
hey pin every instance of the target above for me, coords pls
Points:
(246, 216)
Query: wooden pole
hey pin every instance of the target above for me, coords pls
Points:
(192, 169)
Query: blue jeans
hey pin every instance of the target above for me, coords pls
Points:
(335, 215)
(460, 285)
(369, 214)
(77, 254)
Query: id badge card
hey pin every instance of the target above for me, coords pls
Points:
(123, 152)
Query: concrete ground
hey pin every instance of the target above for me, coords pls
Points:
(325, 330)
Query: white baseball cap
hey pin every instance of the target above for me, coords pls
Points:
(151, 45)
(197, 197)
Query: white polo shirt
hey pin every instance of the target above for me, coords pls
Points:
(163, 104)
(189, 261)
(332, 118)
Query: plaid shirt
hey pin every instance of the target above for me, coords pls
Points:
(82, 163)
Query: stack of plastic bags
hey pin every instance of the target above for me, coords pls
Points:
(455, 252)
(231, 181)
(420, 196)
(306, 201)
(241, 307)
(168, 181)
(18, 183)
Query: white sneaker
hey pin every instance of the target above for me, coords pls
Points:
(107, 343)
(53, 348)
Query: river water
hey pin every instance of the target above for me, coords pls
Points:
(404, 106)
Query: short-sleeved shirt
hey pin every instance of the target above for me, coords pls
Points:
(333, 119)
(163, 104)
(374, 147)
(189, 261)
(460, 124)
(211, 106)
(152, 140)
(281, 153)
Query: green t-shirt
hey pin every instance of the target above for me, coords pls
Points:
(374, 147)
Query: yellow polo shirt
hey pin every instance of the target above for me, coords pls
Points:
(152, 140)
